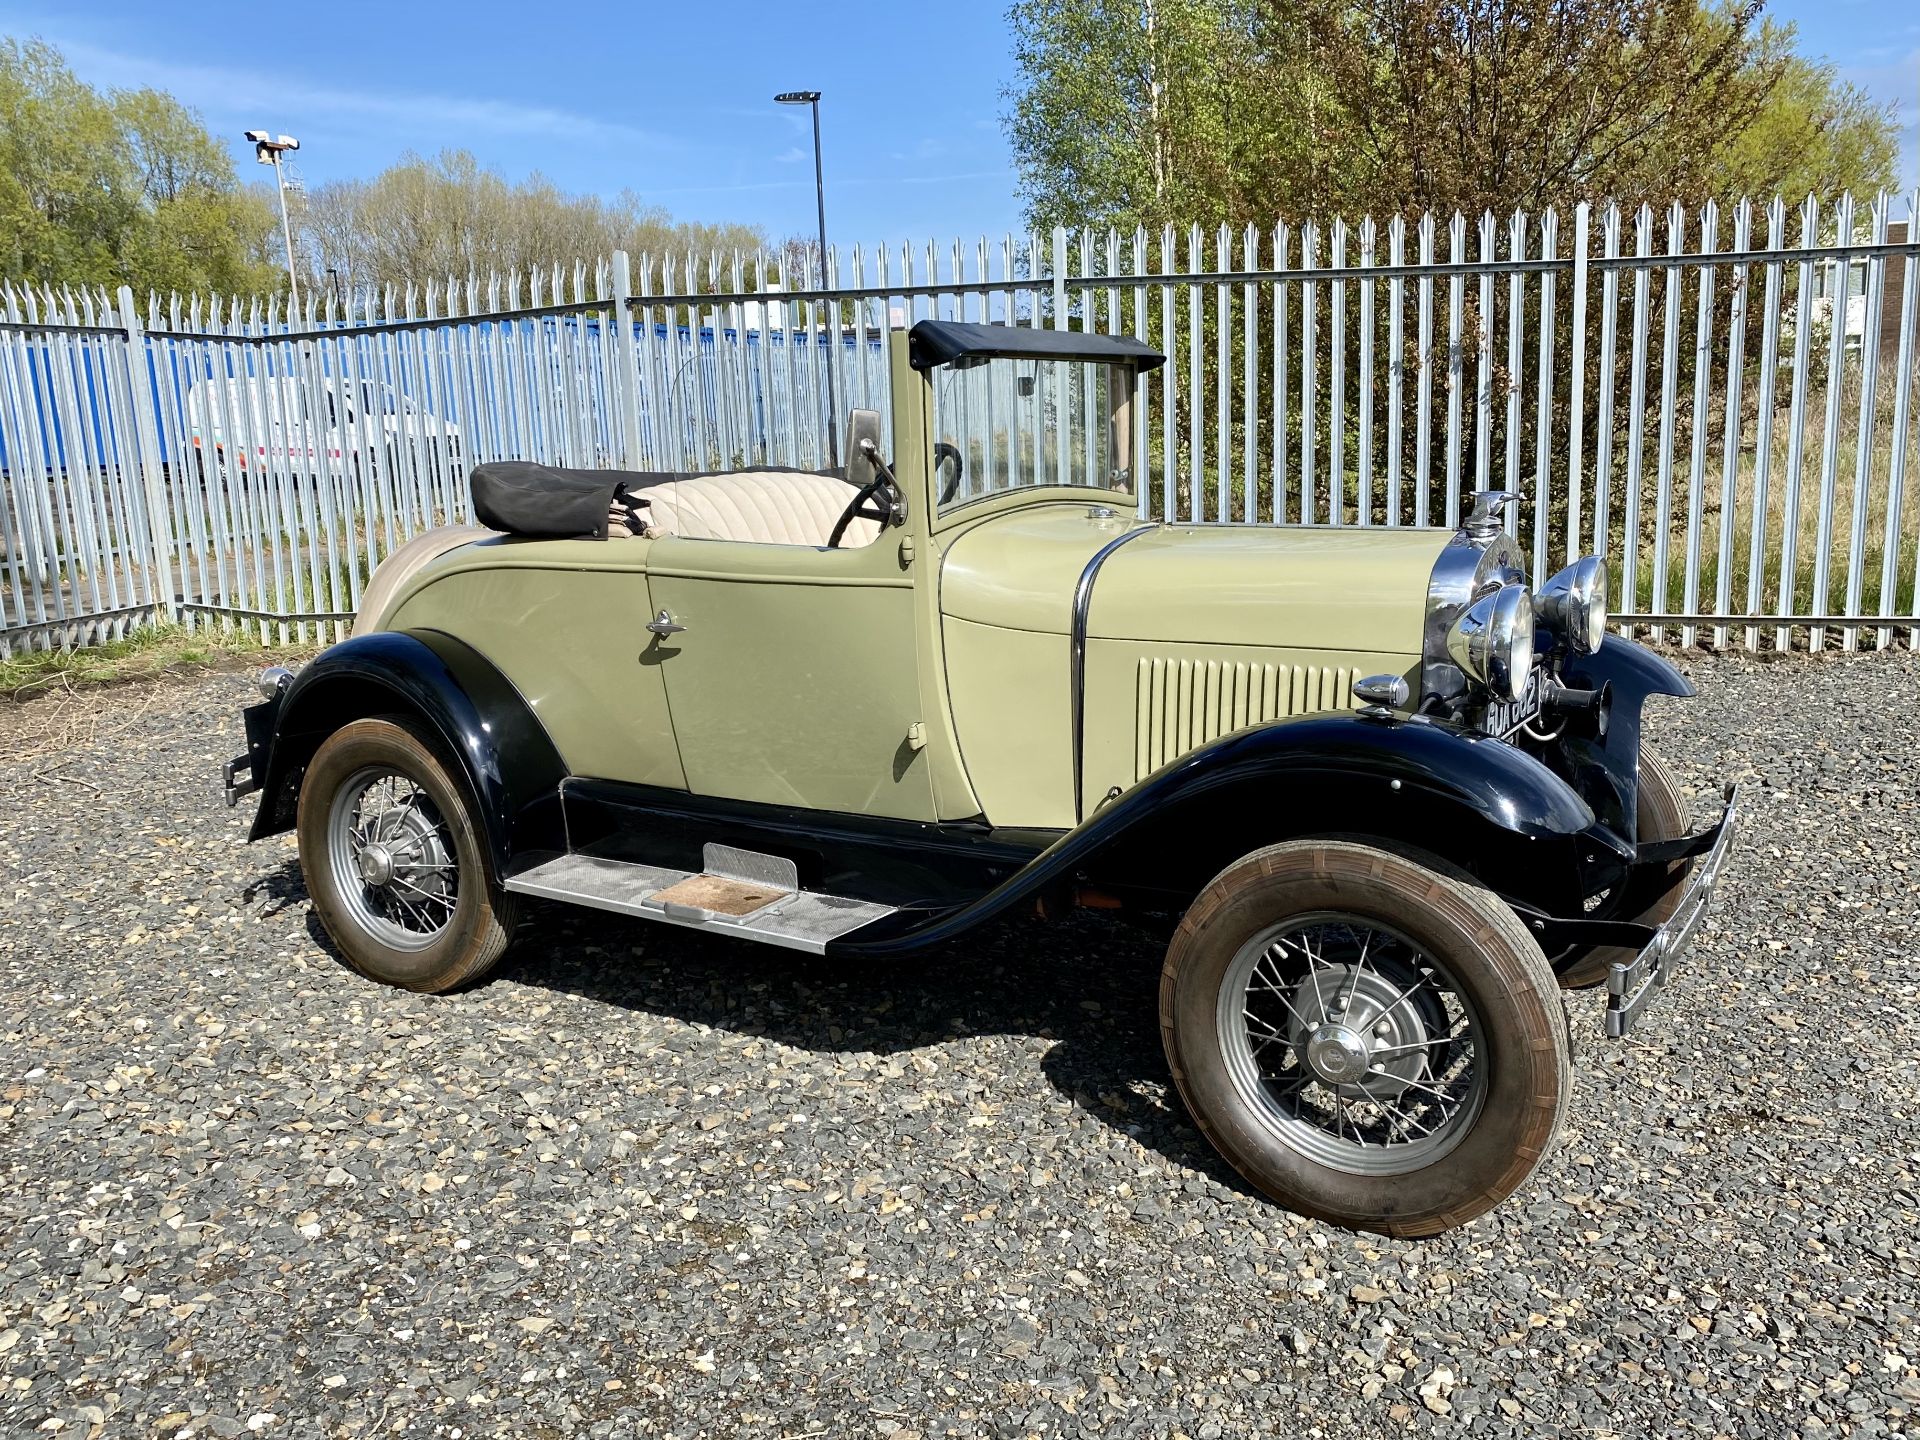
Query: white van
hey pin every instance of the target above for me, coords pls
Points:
(263, 422)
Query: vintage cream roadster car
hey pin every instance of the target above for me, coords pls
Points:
(1387, 800)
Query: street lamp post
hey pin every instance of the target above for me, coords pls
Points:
(267, 149)
(812, 98)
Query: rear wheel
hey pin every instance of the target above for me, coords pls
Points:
(1365, 1039)
(1660, 814)
(394, 863)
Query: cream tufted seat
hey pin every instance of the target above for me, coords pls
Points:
(771, 507)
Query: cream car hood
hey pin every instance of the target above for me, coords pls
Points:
(1345, 589)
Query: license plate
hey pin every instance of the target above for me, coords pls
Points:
(1506, 716)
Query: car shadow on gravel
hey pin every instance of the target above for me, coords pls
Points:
(1088, 984)
(282, 889)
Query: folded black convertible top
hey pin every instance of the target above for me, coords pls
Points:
(551, 502)
(546, 502)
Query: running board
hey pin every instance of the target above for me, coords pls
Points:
(751, 896)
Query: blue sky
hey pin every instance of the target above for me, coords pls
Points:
(674, 100)
(1876, 45)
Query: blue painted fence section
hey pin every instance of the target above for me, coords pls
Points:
(231, 467)
(686, 413)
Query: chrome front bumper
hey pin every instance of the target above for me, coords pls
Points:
(1631, 985)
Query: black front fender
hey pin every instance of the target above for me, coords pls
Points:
(1605, 767)
(1487, 807)
(1634, 671)
(456, 695)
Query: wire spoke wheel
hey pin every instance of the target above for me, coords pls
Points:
(1368, 1035)
(399, 873)
(1353, 1045)
(395, 860)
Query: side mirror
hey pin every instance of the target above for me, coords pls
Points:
(863, 428)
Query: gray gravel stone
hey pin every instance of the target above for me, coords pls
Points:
(646, 1183)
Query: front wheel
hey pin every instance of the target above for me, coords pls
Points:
(394, 862)
(1366, 1040)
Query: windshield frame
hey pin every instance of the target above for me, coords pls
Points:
(1017, 464)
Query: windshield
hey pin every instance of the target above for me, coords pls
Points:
(1006, 424)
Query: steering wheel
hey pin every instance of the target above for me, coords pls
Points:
(942, 453)
(862, 506)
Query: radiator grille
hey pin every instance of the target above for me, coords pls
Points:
(1182, 704)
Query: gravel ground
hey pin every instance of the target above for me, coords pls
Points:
(645, 1183)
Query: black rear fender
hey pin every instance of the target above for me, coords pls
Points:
(455, 696)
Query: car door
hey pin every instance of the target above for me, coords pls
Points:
(562, 620)
(793, 679)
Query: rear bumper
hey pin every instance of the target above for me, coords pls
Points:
(1631, 985)
(244, 774)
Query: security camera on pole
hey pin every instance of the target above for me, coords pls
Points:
(268, 149)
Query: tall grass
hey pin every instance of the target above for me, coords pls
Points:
(1857, 505)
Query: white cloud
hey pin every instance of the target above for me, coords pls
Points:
(939, 179)
(833, 183)
(792, 155)
(927, 149)
(285, 101)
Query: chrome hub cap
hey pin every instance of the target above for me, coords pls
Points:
(1384, 1035)
(1351, 1044)
(393, 858)
(1336, 1054)
(376, 865)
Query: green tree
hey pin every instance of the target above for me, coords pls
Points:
(124, 188)
(1145, 112)
(1815, 135)
(199, 229)
(1149, 111)
(426, 219)
(62, 204)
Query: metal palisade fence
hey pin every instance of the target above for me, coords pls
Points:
(1721, 402)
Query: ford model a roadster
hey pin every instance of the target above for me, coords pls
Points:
(1388, 799)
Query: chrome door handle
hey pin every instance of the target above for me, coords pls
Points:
(663, 624)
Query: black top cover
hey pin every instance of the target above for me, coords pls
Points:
(544, 502)
(548, 502)
(948, 342)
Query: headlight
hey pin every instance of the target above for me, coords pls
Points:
(1492, 641)
(1573, 605)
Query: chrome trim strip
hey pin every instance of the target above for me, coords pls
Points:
(1077, 655)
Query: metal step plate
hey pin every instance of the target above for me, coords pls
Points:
(803, 920)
